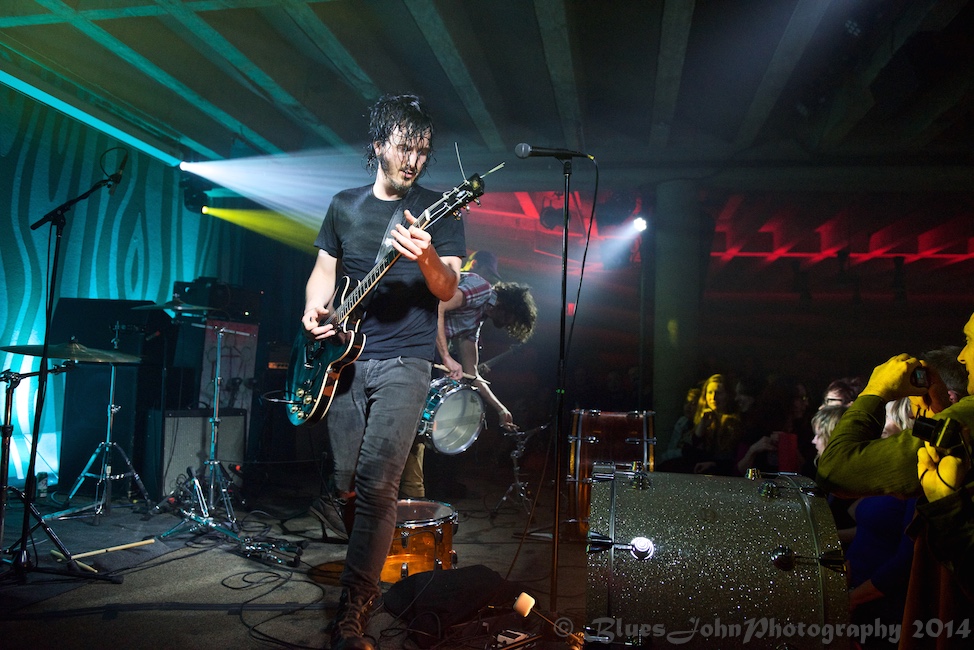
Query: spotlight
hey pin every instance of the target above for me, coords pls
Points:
(639, 223)
(194, 192)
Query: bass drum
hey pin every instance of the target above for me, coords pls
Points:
(711, 561)
(453, 417)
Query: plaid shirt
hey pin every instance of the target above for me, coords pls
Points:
(467, 319)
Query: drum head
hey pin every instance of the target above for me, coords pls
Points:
(420, 512)
(457, 421)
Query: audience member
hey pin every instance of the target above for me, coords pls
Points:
(672, 459)
(717, 431)
(879, 558)
(484, 264)
(823, 423)
(899, 416)
(779, 415)
(841, 392)
(858, 462)
(948, 379)
(746, 391)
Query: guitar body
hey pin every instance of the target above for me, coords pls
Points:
(316, 365)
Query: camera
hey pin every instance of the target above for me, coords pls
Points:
(946, 434)
(920, 377)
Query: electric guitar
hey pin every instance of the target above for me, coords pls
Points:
(316, 365)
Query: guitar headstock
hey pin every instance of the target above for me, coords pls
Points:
(454, 200)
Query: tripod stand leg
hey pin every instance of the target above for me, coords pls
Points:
(21, 561)
(85, 473)
(131, 472)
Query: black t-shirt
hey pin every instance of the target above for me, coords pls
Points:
(400, 317)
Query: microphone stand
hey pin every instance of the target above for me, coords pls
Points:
(21, 559)
(560, 389)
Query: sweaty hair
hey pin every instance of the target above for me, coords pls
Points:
(516, 299)
(408, 113)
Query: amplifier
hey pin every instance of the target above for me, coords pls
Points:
(180, 440)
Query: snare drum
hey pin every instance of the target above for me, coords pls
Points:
(453, 416)
(605, 437)
(423, 539)
(711, 556)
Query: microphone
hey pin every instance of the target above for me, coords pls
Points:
(116, 178)
(524, 150)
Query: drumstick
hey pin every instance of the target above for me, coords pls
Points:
(76, 556)
(60, 556)
(440, 366)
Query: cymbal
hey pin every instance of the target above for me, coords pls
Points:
(75, 352)
(173, 305)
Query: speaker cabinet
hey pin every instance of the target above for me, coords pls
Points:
(180, 440)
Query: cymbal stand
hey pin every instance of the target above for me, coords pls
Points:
(102, 505)
(13, 380)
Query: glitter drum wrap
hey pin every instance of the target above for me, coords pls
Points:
(423, 539)
(688, 554)
(619, 438)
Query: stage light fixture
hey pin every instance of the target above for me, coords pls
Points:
(194, 192)
(551, 218)
(640, 224)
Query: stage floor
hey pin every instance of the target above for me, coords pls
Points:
(208, 589)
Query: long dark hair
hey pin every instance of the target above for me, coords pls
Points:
(516, 299)
(408, 113)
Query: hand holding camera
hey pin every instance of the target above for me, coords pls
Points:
(901, 376)
(940, 474)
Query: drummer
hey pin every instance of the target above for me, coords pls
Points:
(509, 306)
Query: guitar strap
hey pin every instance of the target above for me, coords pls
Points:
(398, 217)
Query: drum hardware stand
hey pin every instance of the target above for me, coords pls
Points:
(518, 489)
(267, 551)
(102, 505)
(216, 477)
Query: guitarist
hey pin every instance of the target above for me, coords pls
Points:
(510, 307)
(379, 399)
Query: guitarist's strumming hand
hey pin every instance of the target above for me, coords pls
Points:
(412, 242)
(312, 321)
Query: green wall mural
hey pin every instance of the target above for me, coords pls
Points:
(131, 244)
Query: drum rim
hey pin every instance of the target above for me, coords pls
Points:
(452, 517)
